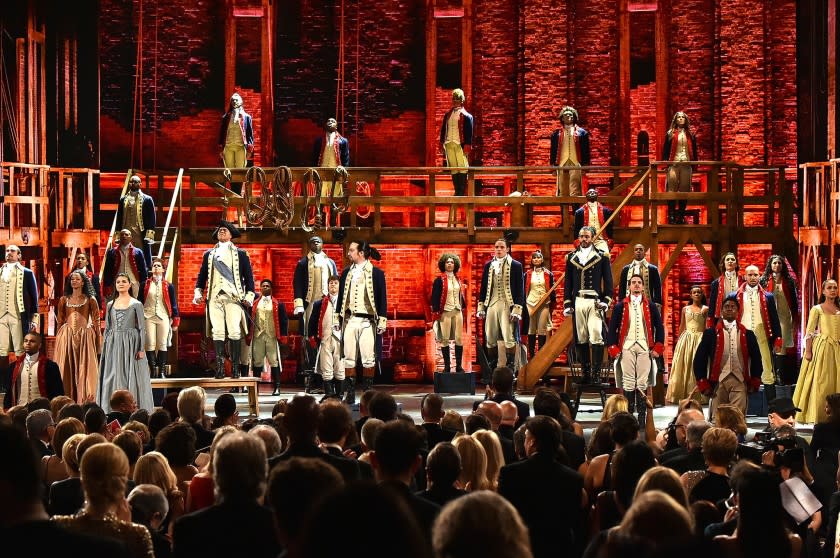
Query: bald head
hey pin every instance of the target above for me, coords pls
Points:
(683, 420)
(509, 413)
(492, 411)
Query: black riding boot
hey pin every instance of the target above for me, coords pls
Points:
(459, 356)
(329, 389)
(532, 345)
(597, 362)
(162, 359)
(541, 341)
(582, 352)
(257, 370)
(492, 363)
(631, 401)
(235, 351)
(641, 409)
(219, 346)
(769, 392)
(275, 379)
(445, 352)
(338, 388)
(152, 360)
(350, 391)
(510, 358)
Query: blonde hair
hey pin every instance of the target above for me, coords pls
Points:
(63, 431)
(68, 454)
(191, 404)
(664, 480)
(473, 463)
(657, 518)
(616, 403)
(153, 468)
(140, 429)
(104, 471)
(719, 446)
(489, 440)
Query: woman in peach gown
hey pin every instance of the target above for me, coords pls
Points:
(79, 338)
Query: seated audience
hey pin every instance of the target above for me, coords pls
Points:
(239, 473)
(364, 415)
(616, 403)
(509, 416)
(480, 524)
(130, 443)
(201, 488)
(96, 422)
(628, 466)
(23, 520)
(52, 466)
(452, 420)
(443, 467)
(177, 443)
(501, 389)
(493, 412)
(335, 426)
(57, 403)
(191, 403)
(655, 520)
(370, 431)
(122, 405)
(625, 429)
(226, 412)
(693, 459)
(65, 497)
(475, 422)
(104, 470)
(40, 428)
(270, 439)
(473, 463)
(141, 416)
(153, 468)
(431, 411)
(383, 406)
(671, 440)
(548, 403)
(158, 420)
(493, 451)
(719, 447)
(665, 480)
(732, 417)
(72, 411)
(142, 431)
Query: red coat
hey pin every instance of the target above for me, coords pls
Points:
(164, 285)
(765, 316)
(47, 386)
(657, 346)
(276, 311)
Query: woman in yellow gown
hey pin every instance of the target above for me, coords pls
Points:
(692, 323)
(818, 376)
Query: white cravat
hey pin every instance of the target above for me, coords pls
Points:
(222, 246)
(637, 269)
(729, 325)
(637, 299)
(356, 271)
(7, 271)
(584, 254)
(497, 265)
(730, 274)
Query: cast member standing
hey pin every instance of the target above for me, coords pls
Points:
(778, 281)
(501, 301)
(820, 372)
(32, 376)
(18, 305)
(324, 335)
(594, 214)
(123, 364)
(312, 273)
(271, 326)
(758, 314)
(637, 334)
(236, 134)
(331, 150)
(362, 311)
(680, 147)
(124, 258)
(569, 148)
(587, 292)
(448, 309)
(456, 133)
(79, 338)
(538, 281)
(692, 323)
(160, 308)
(727, 364)
(136, 213)
(83, 263)
(723, 286)
(226, 275)
(650, 276)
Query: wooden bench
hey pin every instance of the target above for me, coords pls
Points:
(253, 385)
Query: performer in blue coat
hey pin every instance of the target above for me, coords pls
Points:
(456, 135)
(226, 274)
(136, 212)
(331, 149)
(569, 148)
(124, 257)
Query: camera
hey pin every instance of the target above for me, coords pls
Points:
(785, 451)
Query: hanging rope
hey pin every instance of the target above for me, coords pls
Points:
(339, 89)
(138, 88)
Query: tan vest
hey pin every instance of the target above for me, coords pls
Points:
(568, 153)
(357, 301)
(234, 133)
(731, 359)
(8, 296)
(154, 304)
(497, 285)
(453, 295)
(637, 332)
(219, 282)
(327, 324)
(265, 318)
(751, 318)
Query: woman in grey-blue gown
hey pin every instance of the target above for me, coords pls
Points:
(123, 362)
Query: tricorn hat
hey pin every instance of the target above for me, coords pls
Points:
(234, 231)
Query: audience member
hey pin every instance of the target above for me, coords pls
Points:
(65, 496)
(473, 463)
(548, 495)
(732, 417)
(672, 439)
(201, 489)
(657, 520)
(364, 402)
(130, 443)
(40, 428)
(239, 472)
(719, 447)
(226, 413)
(177, 443)
(96, 422)
(269, 437)
(493, 412)
(630, 463)
(443, 468)
(170, 405)
(452, 420)
(693, 459)
(616, 403)
(296, 489)
(104, 470)
(369, 433)
(493, 451)
(57, 403)
(23, 520)
(122, 405)
(153, 468)
(149, 507)
(142, 432)
(501, 389)
(396, 458)
(38, 403)
(475, 422)
(431, 411)
(141, 416)
(509, 416)
(625, 429)
(548, 403)
(665, 480)
(191, 402)
(72, 411)
(52, 466)
(480, 524)
(383, 406)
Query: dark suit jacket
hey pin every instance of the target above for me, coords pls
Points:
(248, 531)
(582, 142)
(343, 151)
(110, 265)
(435, 434)
(66, 497)
(523, 409)
(575, 447)
(203, 437)
(122, 418)
(348, 468)
(704, 357)
(580, 220)
(365, 470)
(507, 449)
(424, 511)
(441, 495)
(689, 461)
(50, 539)
(506, 431)
(49, 378)
(547, 496)
(654, 288)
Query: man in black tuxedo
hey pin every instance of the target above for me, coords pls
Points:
(693, 459)
(40, 428)
(396, 459)
(547, 403)
(239, 473)
(443, 466)
(301, 421)
(548, 496)
(431, 411)
(334, 425)
(122, 405)
(501, 389)
(22, 515)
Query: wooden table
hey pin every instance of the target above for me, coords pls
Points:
(249, 382)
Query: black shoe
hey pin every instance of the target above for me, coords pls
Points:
(276, 390)
(350, 391)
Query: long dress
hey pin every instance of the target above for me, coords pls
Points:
(681, 380)
(76, 346)
(119, 367)
(819, 376)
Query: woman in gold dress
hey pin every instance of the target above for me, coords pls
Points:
(106, 512)
(538, 281)
(79, 338)
(818, 376)
(692, 323)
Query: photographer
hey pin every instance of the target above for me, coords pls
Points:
(781, 412)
